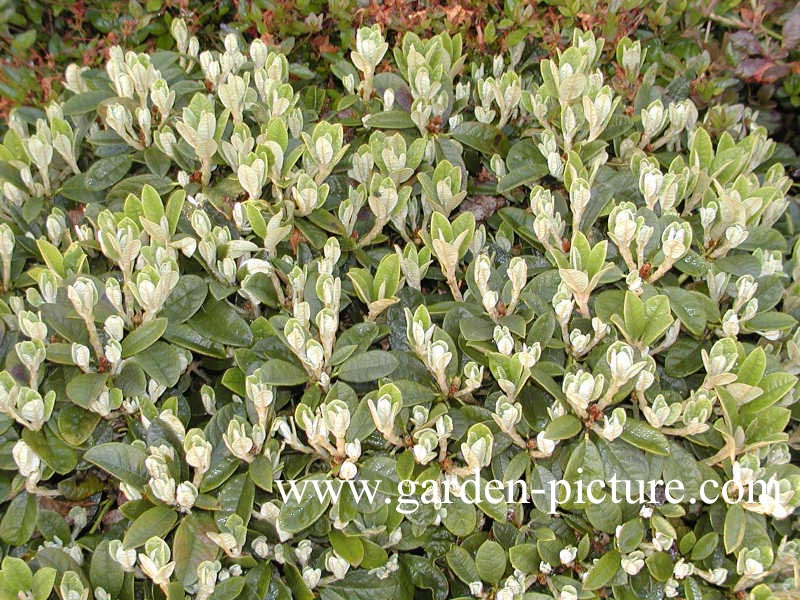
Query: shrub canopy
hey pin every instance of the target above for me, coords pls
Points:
(216, 277)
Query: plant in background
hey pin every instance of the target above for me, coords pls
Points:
(219, 277)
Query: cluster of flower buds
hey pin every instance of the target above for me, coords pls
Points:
(719, 363)
(477, 449)
(25, 404)
(510, 367)
(7, 244)
(197, 450)
(449, 243)
(243, 440)
(384, 408)
(155, 561)
(504, 92)
(231, 536)
(430, 435)
(369, 52)
(433, 350)
(428, 67)
(582, 274)
(314, 351)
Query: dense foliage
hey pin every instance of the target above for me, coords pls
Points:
(731, 51)
(218, 274)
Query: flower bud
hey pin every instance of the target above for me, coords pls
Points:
(477, 450)
(337, 565)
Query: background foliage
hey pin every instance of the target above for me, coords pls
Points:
(752, 47)
(269, 244)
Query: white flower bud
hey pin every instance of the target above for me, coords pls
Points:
(337, 565)
(125, 557)
(348, 470)
(186, 495)
(311, 577)
(633, 563)
(567, 555)
(736, 235)
(81, 356)
(544, 444)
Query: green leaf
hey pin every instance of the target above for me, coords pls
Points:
(483, 137)
(461, 518)
(51, 449)
(634, 315)
(367, 366)
(220, 323)
(691, 308)
(143, 336)
(76, 424)
(83, 389)
(389, 119)
(657, 318)
(298, 513)
(462, 564)
(161, 361)
(705, 546)
(425, 575)
(261, 472)
(107, 171)
(15, 576)
(19, 521)
(603, 571)
(734, 528)
(660, 566)
(361, 585)
(525, 165)
(563, 428)
(348, 547)
(123, 461)
(152, 206)
(774, 387)
(640, 434)
(630, 535)
(86, 102)
(155, 522)
(191, 546)
(51, 256)
(185, 299)
(490, 561)
(43, 581)
(752, 368)
(104, 571)
(524, 557)
(701, 151)
(236, 497)
(282, 373)
(229, 589)
(58, 559)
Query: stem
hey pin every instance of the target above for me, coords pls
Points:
(276, 282)
(394, 439)
(683, 431)
(127, 296)
(625, 251)
(609, 395)
(6, 272)
(377, 227)
(453, 285)
(661, 271)
(583, 305)
(100, 514)
(94, 339)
